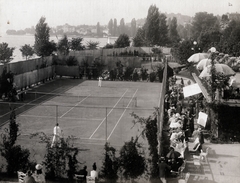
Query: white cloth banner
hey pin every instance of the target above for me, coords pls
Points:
(202, 118)
(191, 90)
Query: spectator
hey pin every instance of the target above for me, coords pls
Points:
(162, 169)
(94, 172)
(84, 173)
(39, 174)
(29, 178)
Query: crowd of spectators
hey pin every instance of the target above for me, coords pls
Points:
(181, 113)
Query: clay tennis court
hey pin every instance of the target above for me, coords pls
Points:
(91, 114)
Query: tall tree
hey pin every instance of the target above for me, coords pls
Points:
(133, 27)
(122, 27)
(5, 53)
(63, 45)
(110, 27)
(173, 33)
(43, 47)
(115, 28)
(202, 22)
(163, 30)
(27, 51)
(98, 30)
(122, 41)
(151, 26)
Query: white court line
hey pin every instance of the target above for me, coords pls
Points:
(108, 114)
(27, 104)
(122, 115)
(74, 106)
(35, 116)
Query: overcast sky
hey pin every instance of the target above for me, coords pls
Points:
(21, 14)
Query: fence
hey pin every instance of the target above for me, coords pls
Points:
(34, 77)
(161, 108)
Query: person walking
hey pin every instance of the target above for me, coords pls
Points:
(100, 81)
(56, 135)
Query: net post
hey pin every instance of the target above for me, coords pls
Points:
(106, 125)
(56, 114)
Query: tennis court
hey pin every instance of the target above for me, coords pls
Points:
(91, 114)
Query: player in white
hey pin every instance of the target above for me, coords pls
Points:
(100, 81)
(57, 133)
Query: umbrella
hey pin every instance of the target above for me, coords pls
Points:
(220, 68)
(204, 63)
(197, 57)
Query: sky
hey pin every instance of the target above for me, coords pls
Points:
(21, 14)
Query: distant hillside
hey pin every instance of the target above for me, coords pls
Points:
(181, 19)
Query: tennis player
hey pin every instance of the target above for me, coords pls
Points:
(57, 133)
(100, 81)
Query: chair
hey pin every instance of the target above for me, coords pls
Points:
(196, 149)
(184, 180)
(21, 176)
(79, 178)
(204, 154)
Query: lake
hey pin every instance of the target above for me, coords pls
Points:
(17, 41)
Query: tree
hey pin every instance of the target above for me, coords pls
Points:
(110, 27)
(133, 27)
(140, 40)
(149, 130)
(122, 27)
(5, 53)
(163, 30)
(92, 45)
(76, 44)
(202, 22)
(182, 51)
(17, 158)
(151, 26)
(131, 160)
(63, 45)
(115, 28)
(110, 164)
(27, 51)
(43, 47)
(173, 33)
(122, 41)
(98, 30)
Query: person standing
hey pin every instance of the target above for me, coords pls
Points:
(100, 81)
(56, 135)
(94, 173)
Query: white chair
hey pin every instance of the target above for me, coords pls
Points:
(184, 180)
(204, 154)
(21, 176)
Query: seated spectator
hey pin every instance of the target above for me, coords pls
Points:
(29, 178)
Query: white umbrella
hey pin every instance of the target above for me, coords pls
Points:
(220, 68)
(197, 57)
(204, 63)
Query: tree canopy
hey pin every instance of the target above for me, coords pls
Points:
(43, 47)
(63, 45)
(5, 53)
(27, 51)
(122, 41)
